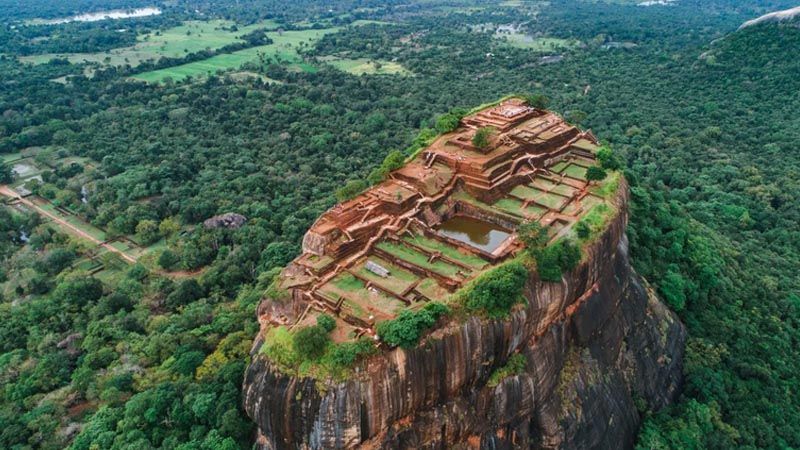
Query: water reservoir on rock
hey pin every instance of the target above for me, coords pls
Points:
(475, 232)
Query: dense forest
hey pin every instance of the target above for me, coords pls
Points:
(151, 354)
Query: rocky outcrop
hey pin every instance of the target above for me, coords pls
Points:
(777, 16)
(227, 220)
(599, 348)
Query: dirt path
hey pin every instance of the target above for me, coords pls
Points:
(8, 192)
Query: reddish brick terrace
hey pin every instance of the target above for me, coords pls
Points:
(385, 250)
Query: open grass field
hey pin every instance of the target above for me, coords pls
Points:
(550, 200)
(576, 171)
(449, 251)
(509, 205)
(362, 66)
(526, 192)
(284, 49)
(191, 37)
(361, 302)
(11, 157)
(397, 281)
(563, 189)
(431, 289)
(539, 44)
(418, 259)
(559, 167)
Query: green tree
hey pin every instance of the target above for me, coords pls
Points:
(406, 329)
(595, 173)
(326, 322)
(557, 258)
(449, 121)
(147, 231)
(169, 227)
(351, 189)
(608, 159)
(6, 175)
(497, 290)
(582, 229)
(532, 234)
(539, 101)
(481, 137)
(168, 259)
(310, 342)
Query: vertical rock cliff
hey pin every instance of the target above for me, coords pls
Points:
(599, 347)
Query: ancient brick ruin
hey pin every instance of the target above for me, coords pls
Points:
(440, 220)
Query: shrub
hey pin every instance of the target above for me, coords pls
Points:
(278, 346)
(406, 329)
(583, 230)
(350, 190)
(497, 290)
(393, 161)
(481, 137)
(137, 272)
(537, 100)
(532, 234)
(188, 291)
(310, 342)
(344, 355)
(608, 159)
(595, 173)
(449, 121)
(168, 259)
(326, 322)
(514, 366)
(553, 260)
(147, 231)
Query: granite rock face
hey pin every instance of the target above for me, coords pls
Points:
(599, 348)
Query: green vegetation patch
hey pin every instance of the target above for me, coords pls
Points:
(514, 366)
(406, 329)
(555, 259)
(360, 301)
(525, 192)
(575, 171)
(347, 282)
(594, 221)
(509, 205)
(608, 186)
(419, 259)
(558, 167)
(284, 49)
(431, 289)
(362, 66)
(552, 201)
(564, 189)
(495, 291)
(177, 42)
(447, 250)
(533, 210)
(398, 280)
(309, 350)
(540, 44)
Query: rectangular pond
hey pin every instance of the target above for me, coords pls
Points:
(475, 232)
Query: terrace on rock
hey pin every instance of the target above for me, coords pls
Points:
(443, 218)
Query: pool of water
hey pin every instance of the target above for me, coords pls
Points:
(475, 232)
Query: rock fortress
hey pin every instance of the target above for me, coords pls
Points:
(594, 347)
